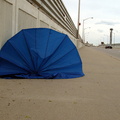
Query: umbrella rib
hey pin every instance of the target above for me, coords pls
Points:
(47, 43)
(41, 64)
(59, 58)
(28, 50)
(52, 54)
(22, 57)
(14, 64)
(59, 45)
(61, 67)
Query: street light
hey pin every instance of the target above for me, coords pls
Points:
(107, 38)
(87, 28)
(83, 35)
(114, 38)
(78, 19)
(86, 35)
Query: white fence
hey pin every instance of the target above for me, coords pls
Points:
(20, 14)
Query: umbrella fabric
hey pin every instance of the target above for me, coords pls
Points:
(40, 53)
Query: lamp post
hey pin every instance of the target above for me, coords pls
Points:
(78, 24)
(83, 34)
(86, 35)
(114, 38)
(106, 39)
(87, 28)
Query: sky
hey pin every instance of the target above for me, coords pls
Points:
(106, 15)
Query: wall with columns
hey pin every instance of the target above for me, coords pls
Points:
(21, 14)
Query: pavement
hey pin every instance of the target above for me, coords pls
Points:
(112, 52)
(96, 96)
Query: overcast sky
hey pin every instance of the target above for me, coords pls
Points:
(106, 15)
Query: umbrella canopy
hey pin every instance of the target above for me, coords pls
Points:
(40, 53)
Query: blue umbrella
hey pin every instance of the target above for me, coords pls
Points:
(40, 53)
